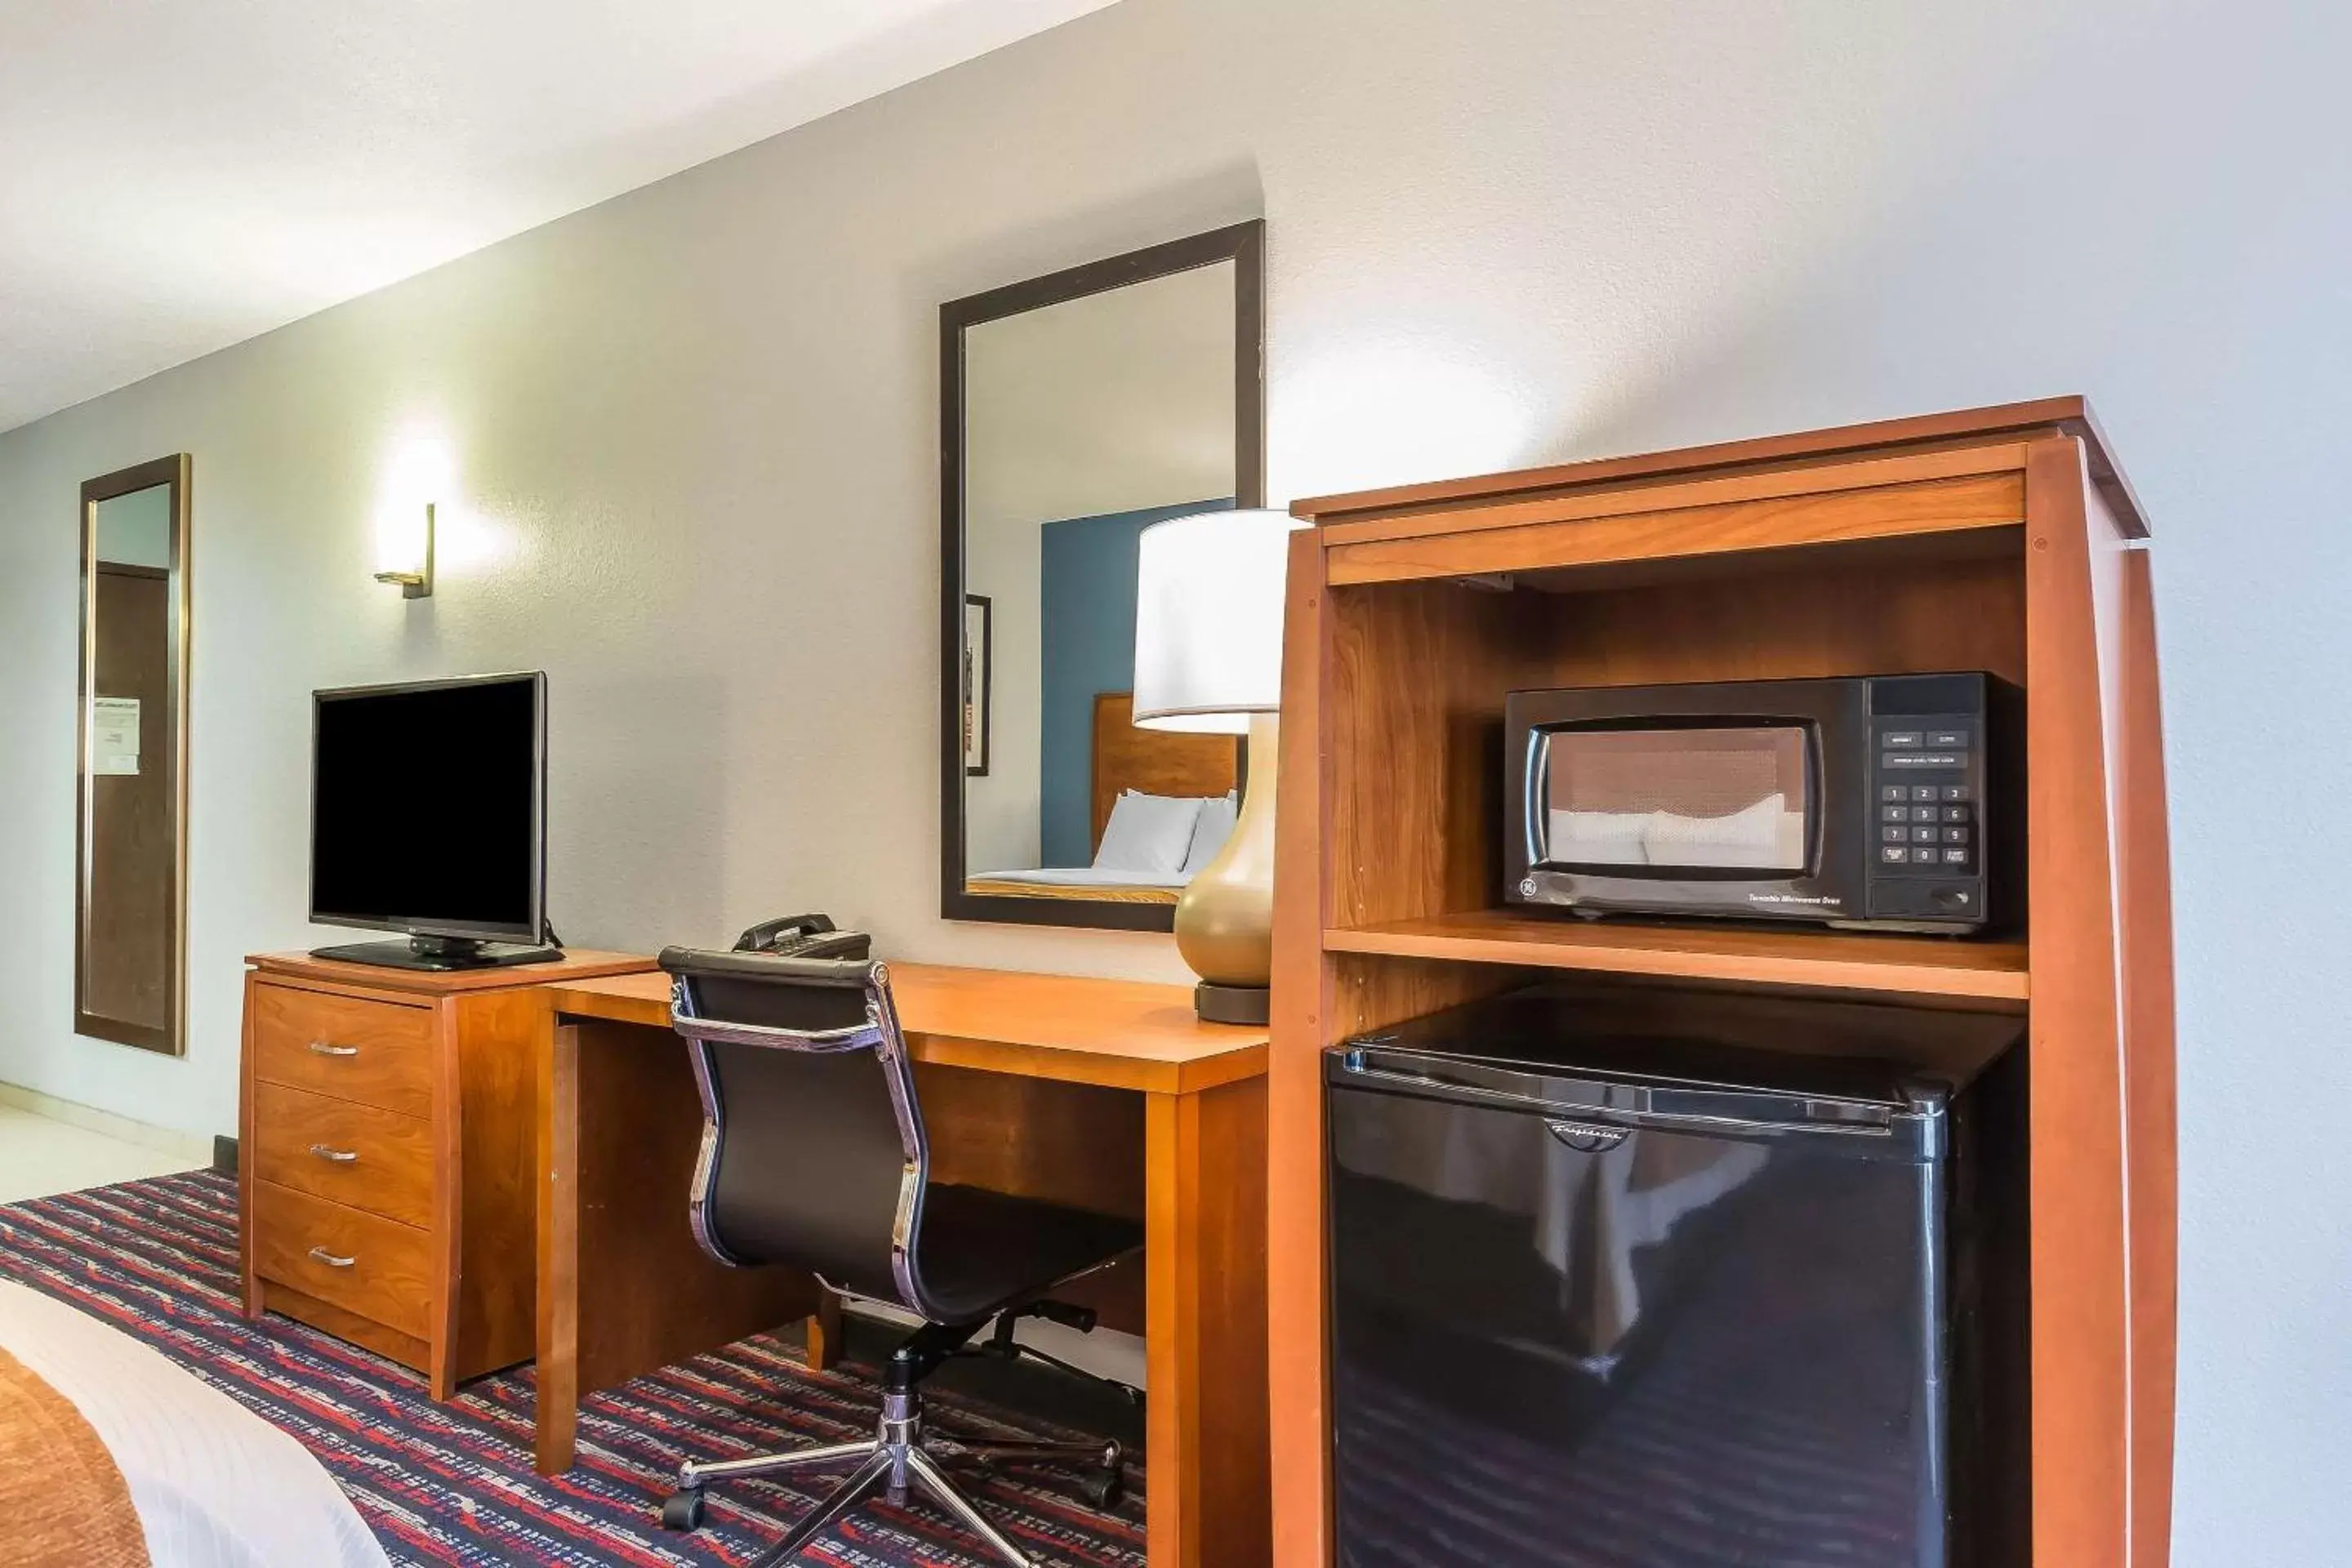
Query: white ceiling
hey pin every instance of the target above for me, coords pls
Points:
(178, 175)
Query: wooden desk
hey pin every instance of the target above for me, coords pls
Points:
(1099, 1091)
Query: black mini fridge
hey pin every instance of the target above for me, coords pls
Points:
(1673, 1281)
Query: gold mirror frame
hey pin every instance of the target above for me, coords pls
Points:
(172, 1037)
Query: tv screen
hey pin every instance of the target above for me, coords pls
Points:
(428, 807)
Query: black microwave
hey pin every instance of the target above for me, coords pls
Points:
(1878, 803)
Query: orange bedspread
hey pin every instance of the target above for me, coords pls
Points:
(64, 1502)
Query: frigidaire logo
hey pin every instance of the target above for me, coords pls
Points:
(1587, 1138)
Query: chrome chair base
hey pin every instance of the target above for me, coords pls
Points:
(893, 1461)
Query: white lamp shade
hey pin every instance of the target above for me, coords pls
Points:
(1208, 620)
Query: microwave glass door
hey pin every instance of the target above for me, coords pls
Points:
(1677, 801)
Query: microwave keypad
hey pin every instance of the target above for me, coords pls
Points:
(1926, 813)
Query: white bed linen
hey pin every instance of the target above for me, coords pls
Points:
(1599, 838)
(1220, 815)
(1766, 836)
(1148, 833)
(215, 1485)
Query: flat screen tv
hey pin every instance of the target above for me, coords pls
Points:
(428, 816)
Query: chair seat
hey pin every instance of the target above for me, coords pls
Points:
(982, 1251)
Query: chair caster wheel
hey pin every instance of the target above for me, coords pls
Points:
(1105, 1488)
(683, 1510)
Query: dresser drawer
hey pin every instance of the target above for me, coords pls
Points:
(360, 1262)
(345, 1153)
(376, 1053)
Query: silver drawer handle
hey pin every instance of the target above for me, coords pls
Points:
(320, 1047)
(339, 1156)
(329, 1260)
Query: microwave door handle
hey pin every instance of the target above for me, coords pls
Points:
(1817, 797)
(1538, 785)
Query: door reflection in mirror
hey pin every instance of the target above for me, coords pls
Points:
(129, 897)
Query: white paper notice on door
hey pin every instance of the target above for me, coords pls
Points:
(114, 736)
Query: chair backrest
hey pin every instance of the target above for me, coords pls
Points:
(813, 1145)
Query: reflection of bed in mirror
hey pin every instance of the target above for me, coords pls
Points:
(1158, 765)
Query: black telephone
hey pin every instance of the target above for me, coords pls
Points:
(805, 936)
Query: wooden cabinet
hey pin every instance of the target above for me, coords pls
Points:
(2002, 540)
(387, 1139)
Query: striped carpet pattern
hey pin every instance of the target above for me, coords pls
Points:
(453, 1483)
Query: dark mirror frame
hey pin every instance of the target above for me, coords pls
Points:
(172, 1039)
(1243, 244)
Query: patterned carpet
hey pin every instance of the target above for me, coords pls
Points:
(453, 1484)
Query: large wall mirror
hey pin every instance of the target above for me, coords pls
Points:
(132, 870)
(1078, 409)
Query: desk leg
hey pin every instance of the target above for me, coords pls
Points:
(623, 1287)
(1207, 1496)
(558, 1403)
(824, 1342)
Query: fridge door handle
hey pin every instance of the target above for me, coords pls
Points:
(1612, 1115)
(1447, 1089)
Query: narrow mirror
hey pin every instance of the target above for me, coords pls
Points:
(1078, 409)
(131, 860)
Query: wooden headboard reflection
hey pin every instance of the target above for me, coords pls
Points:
(1154, 761)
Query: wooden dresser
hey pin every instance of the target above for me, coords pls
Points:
(387, 1135)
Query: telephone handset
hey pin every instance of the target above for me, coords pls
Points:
(804, 936)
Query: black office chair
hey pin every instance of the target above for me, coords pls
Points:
(814, 1155)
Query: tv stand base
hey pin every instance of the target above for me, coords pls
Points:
(439, 952)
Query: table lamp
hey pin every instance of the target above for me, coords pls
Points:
(1208, 660)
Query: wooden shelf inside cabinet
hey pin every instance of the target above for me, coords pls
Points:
(1821, 960)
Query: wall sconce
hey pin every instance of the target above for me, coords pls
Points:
(413, 572)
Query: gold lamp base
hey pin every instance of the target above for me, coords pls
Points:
(1224, 919)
